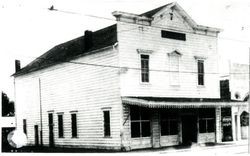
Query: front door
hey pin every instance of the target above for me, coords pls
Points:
(51, 131)
(189, 129)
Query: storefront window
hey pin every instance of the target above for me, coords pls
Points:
(140, 122)
(169, 123)
(206, 125)
(206, 122)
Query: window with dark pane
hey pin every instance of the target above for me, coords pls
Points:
(164, 127)
(200, 72)
(140, 122)
(202, 126)
(135, 129)
(50, 118)
(173, 35)
(145, 128)
(169, 123)
(60, 126)
(210, 125)
(25, 126)
(74, 125)
(135, 113)
(106, 115)
(145, 114)
(173, 124)
(144, 68)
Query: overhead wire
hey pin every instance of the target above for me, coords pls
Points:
(150, 26)
(127, 68)
(121, 31)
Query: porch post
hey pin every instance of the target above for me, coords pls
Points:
(218, 124)
(155, 129)
(238, 127)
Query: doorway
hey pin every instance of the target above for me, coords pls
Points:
(189, 129)
(51, 131)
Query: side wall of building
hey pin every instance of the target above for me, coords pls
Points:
(66, 88)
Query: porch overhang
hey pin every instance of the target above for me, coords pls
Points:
(180, 104)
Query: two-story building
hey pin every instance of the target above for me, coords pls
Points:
(150, 80)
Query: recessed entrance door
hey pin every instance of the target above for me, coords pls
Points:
(51, 131)
(189, 129)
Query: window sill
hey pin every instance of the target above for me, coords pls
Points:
(138, 138)
(61, 137)
(201, 86)
(108, 137)
(74, 137)
(170, 135)
(145, 83)
(175, 86)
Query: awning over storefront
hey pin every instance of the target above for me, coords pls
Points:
(161, 103)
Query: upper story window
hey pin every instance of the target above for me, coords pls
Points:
(144, 68)
(174, 67)
(173, 35)
(200, 64)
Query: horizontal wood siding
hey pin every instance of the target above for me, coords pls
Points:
(206, 137)
(132, 37)
(170, 140)
(85, 89)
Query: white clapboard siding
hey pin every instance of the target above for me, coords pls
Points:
(73, 87)
(149, 38)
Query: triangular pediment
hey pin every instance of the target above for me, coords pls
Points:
(173, 16)
(175, 53)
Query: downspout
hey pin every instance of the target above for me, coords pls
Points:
(41, 120)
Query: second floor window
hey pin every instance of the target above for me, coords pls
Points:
(144, 68)
(200, 72)
(174, 69)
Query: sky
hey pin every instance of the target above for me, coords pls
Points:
(28, 29)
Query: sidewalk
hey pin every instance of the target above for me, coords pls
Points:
(171, 149)
(195, 147)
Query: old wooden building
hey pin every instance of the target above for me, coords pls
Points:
(150, 80)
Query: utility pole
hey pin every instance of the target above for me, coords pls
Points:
(41, 119)
(249, 102)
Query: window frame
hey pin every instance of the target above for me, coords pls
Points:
(140, 121)
(200, 72)
(60, 127)
(206, 124)
(174, 55)
(25, 126)
(167, 121)
(106, 126)
(74, 133)
(141, 69)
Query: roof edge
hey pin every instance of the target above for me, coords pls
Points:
(66, 61)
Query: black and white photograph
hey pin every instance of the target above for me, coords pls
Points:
(125, 77)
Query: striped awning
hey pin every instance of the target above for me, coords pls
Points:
(168, 104)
